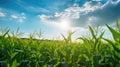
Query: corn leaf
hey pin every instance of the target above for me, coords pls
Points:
(92, 32)
(115, 34)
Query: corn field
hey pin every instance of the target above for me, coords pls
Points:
(92, 52)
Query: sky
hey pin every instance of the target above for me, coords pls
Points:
(54, 17)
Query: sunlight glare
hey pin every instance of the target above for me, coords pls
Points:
(65, 25)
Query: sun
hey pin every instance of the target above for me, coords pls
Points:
(65, 25)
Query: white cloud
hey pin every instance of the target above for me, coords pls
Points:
(61, 23)
(19, 17)
(14, 16)
(91, 13)
(71, 13)
(75, 11)
(2, 14)
(44, 17)
(91, 6)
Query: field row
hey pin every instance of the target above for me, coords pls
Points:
(92, 52)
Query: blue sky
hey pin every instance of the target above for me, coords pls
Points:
(54, 17)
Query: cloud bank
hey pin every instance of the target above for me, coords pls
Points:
(91, 13)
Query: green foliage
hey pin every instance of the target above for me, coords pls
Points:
(117, 26)
(115, 45)
(30, 52)
(116, 34)
(68, 39)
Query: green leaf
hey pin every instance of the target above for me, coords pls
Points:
(5, 52)
(115, 34)
(64, 38)
(92, 32)
(117, 25)
(101, 35)
(99, 40)
(5, 33)
(15, 64)
(70, 36)
(109, 41)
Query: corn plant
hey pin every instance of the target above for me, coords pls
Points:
(30, 52)
(68, 39)
(115, 45)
